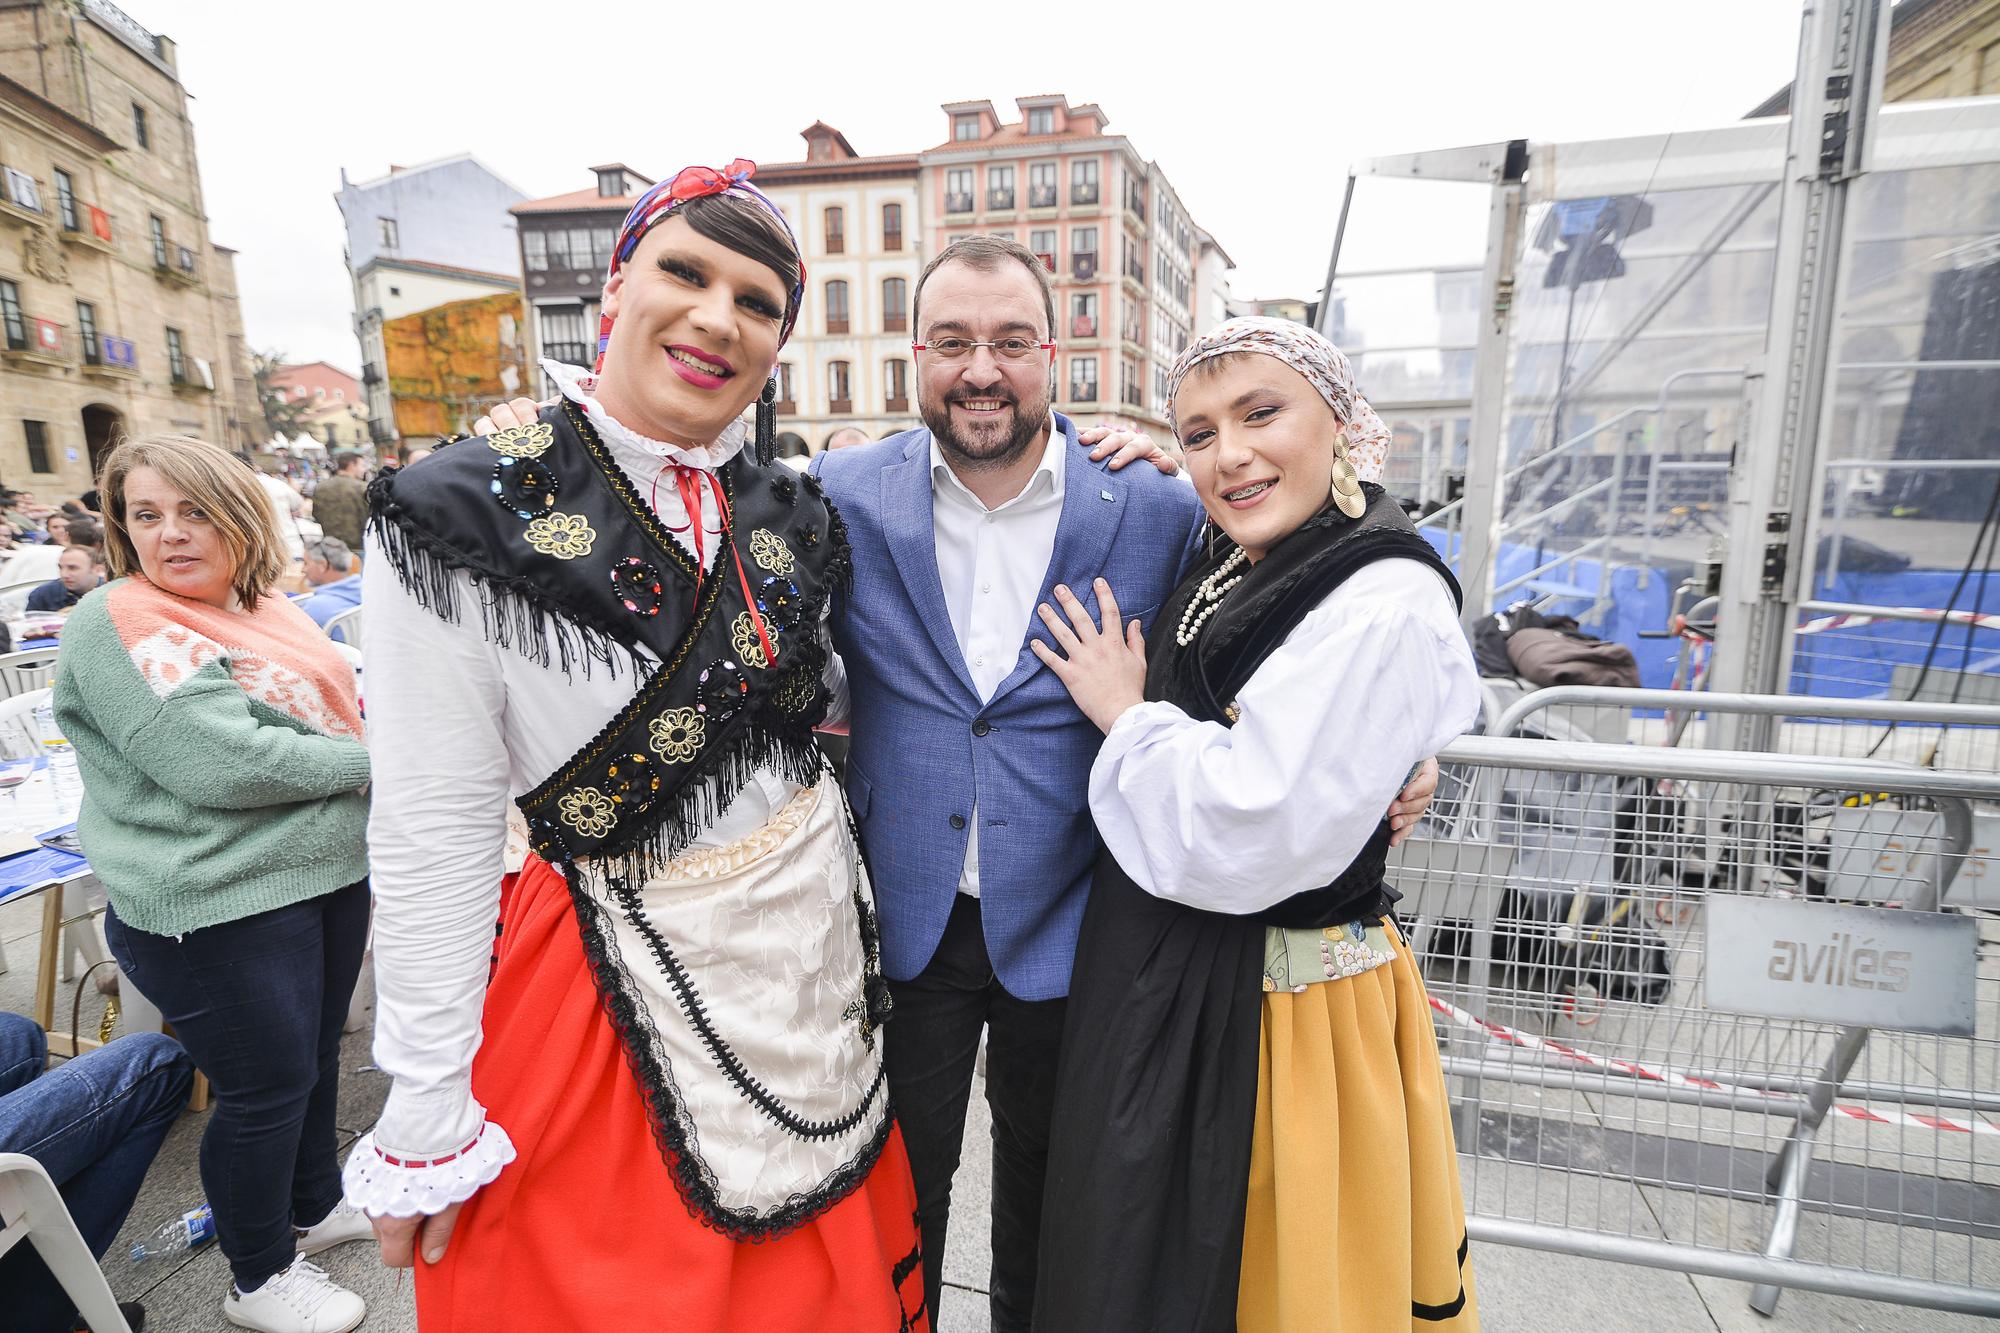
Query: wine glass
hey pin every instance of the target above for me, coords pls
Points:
(11, 777)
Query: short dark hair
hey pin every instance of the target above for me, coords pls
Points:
(344, 459)
(96, 553)
(987, 253)
(748, 228)
(85, 532)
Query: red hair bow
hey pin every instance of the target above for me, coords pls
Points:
(697, 182)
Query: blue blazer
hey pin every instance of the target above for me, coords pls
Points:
(925, 751)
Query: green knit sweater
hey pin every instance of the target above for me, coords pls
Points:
(221, 756)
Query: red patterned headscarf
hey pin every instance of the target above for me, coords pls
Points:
(658, 203)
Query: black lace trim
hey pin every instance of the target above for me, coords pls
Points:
(515, 613)
(666, 1110)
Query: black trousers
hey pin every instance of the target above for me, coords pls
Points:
(929, 1047)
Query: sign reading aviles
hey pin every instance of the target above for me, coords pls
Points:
(1872, 967)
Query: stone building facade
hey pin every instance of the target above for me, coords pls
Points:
(118, 314)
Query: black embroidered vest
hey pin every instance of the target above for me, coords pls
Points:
(1253, 619)
(570, 564)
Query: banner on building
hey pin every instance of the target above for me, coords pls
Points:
(100, 222)
(22, 190)
(48, 335)
(204, 374)
(120, 352)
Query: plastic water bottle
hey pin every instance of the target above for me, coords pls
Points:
(56, 747)
(190, 1230)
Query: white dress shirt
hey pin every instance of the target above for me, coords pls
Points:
(1235, 819)
(458, 728)
(992, 563)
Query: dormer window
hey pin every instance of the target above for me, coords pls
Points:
(610, 184)
(1041, 120)
(964, 127)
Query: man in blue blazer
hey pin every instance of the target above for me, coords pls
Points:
(969, 767)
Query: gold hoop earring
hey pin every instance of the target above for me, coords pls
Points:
(1346, 485)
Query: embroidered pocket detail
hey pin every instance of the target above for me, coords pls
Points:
(564, 536)
(677, 734)
(530, 441)
(588, 811)
(770, 551)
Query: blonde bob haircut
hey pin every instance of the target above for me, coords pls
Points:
(222, 485)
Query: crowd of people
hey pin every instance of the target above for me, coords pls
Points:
(675, 1019)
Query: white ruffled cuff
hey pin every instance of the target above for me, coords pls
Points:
(384, 1184)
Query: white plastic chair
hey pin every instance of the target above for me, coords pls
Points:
(30, 669)
(32, 1210)
(14, 596)
(348, 625)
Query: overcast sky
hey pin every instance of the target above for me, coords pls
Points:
(1253, 110)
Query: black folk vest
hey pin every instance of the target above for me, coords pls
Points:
(572, 568)
(1253, 619)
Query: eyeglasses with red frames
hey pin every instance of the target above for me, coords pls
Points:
(1015, 351)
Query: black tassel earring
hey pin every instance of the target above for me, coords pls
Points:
(767, 423)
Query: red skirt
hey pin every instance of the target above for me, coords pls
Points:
(586, 1229)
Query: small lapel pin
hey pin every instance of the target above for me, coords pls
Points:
(1104, 495)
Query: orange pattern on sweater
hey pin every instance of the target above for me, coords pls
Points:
(275, 652)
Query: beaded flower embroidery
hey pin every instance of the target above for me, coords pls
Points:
(743, 637)
(530, 441)
(564, 536)
(677, 734)
(770, 551)
(588, 811)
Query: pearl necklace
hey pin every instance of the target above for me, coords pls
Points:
(1208, 597)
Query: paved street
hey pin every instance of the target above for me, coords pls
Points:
(1519, 1290)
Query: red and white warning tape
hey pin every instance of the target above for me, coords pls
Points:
(1982, 619)
(1674, 1078)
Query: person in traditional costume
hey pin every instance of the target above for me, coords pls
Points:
(1251, 1127)
(648, 1093)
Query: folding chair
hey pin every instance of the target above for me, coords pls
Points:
(32, 1210)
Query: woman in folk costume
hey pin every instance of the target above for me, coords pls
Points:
(673, 1112)
(1251, 1125)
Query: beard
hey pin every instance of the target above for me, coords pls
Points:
(992, 445)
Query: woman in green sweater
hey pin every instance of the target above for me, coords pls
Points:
(219, 738)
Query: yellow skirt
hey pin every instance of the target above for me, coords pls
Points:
(1354, 1223)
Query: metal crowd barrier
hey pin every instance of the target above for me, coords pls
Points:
(1701, 1017)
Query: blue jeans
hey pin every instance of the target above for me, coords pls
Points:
(94, 1124)
(259, 1003)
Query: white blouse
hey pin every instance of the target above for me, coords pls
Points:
(1374, 680)
(458, 728)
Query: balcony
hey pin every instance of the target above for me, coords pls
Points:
(22, 200)
(1135, 269)
(1083, 194)
(569, 353)
(836, 324)
(836, 242)
(37, 342)
(958, 202)
(1000, 200)
(1083, 326)
(1048, 258)
(896, 323)
(896, 405)
(1133, 398)
(1041, 196)
(1135, 204)
(1083, 265)
(892, 240)
(111, 358)
(370, 373)
(785, 407)
(175, 264)
(89, 228)
(380, 431)
(1083, 391)
(841, 407)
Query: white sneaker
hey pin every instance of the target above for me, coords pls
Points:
(344, 1223)
(302, 1299)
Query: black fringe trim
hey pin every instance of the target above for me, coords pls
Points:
(666, 1110)
(667, 827)
(515, 613)
(840, 560)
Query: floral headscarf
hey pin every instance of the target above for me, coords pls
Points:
(1323, 365)
(658, 203)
